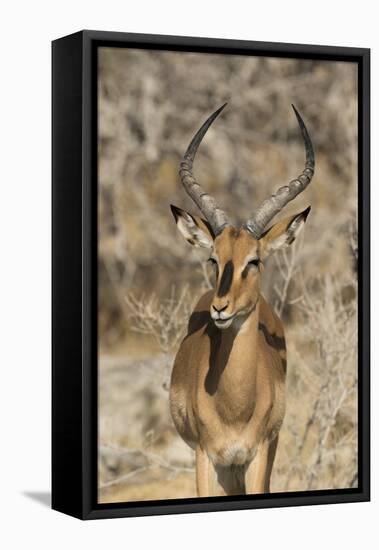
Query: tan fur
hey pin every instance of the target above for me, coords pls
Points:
(227, 393)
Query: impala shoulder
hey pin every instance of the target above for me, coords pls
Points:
(271, 328)
(205, 301)
(200, 316)
(269, 318)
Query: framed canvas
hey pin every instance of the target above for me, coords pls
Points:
(210, 275)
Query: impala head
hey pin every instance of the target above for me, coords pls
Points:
(238, 255)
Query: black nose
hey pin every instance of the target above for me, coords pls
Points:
(219, 310)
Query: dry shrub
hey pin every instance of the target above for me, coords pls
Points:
(318, 447)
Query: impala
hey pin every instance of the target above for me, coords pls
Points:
(227, 391)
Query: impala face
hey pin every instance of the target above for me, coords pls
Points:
(237, 263)
(237, 257)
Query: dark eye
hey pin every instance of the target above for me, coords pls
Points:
(212, 261)
(254, 262)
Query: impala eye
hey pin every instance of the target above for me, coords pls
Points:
(212, 261)
(254, 262)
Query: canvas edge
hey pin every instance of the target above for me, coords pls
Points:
(86, 506)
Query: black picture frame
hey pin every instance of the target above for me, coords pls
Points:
(74, 272)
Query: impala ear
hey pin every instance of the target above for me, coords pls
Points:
(194, 229)
(283, 233)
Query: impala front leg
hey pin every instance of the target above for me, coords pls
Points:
(256, 473)
(202, 472)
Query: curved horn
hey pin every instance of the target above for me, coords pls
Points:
(214, 215)
(271, 206)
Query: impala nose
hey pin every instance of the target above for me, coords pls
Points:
(220, 309)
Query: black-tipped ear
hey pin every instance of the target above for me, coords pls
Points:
(283, 233)
(175, 211)
(194, 229)
(305, 213)
(296, 224)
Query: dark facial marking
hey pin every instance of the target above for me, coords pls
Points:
(226, 279)
(245, 272)
(284, 365)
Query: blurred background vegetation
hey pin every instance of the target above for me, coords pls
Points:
(150, 105)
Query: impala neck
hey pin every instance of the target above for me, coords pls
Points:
(232, 362)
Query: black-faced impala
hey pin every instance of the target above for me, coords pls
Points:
(227, 393)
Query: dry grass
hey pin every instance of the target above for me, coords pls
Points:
(149, 277)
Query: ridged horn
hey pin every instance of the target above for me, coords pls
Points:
(271, 206)
(214, 215)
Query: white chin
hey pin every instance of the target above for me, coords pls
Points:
(223, 324)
